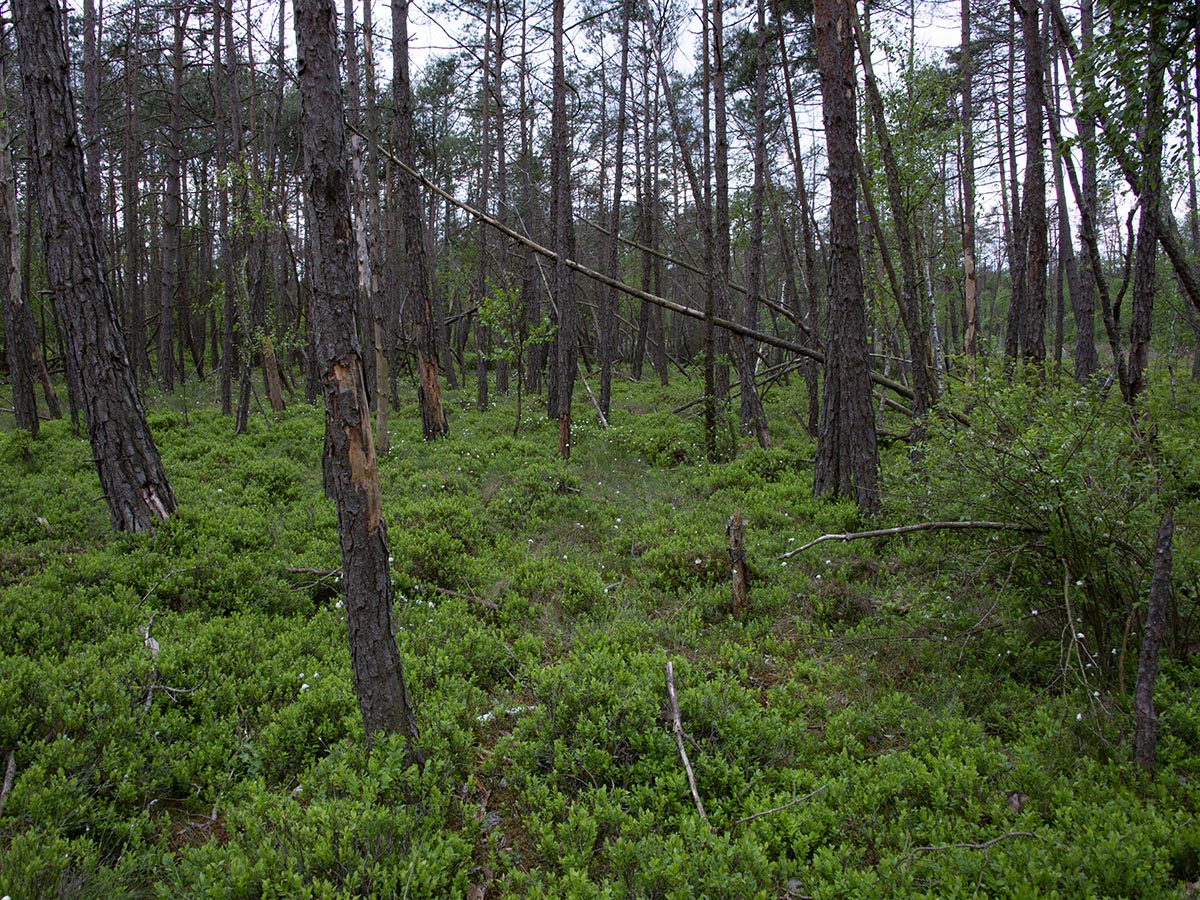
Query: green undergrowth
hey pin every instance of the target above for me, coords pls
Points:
(931, 715)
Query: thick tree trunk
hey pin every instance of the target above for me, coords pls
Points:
(126, 458)
(350, 462)
(847, 454)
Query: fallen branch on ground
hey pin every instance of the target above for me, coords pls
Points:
(789, 805)
(908, 529)
(677, 730)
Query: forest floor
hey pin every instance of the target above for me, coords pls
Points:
(938, 714)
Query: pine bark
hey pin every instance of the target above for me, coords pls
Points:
(847, 453)
(419, 281)
(131, 475)
(18, 322)
(350, 462)
(563, 350)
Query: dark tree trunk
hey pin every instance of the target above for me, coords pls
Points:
(1033, 202)
(18, 322)
(350, 462)
(970, 286)
(754, 418)
(172, 203)
(135, 311)
(420, 288)
(91, 106)
(1149, 198)
(847, 455)
(908, 297)
(564, 348)
(127, 461)
(608, 299)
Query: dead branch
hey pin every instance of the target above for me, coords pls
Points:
(986, 845)
(908, 529)
(10, 775)
(789, 805)
(677, 730)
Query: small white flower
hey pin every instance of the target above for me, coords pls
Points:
(1078, 717)
(1033, 612)
(304, 687)
(1079, 634)
(1096, 694)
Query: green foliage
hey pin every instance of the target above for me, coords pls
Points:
(947, 748)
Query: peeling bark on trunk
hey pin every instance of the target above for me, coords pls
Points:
(351, 472)
(126, 458)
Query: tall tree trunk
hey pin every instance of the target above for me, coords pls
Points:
(172, 203)
(135, 310)
(970, 286)
(754, 418)
(563, 349)
(483, 202)
(1033, 203)
(350, 462)
(419, 282)
(847, 454)
(719, 267)
(91, 105)
(1150, 199)
(908, 298)
(18, 322)
(608, 311)
(126, 458)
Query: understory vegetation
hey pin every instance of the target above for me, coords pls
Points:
(937, 714)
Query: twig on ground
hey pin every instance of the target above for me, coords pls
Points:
(908, 529)
(986, 845)
(677, 730)
(789, 805)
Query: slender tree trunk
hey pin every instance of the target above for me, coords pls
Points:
(908, 298)
(172, 203)
(419, 283)
(719, 266)
(754, 418)
(1033, 203)
(563, 349)
(18, 322)
(970, 287)
(126, 458)
(847, 455)
(91, 106)
(1149, 198)
(608, 311)
(350, 461)
(484, 201)
(135, 310)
